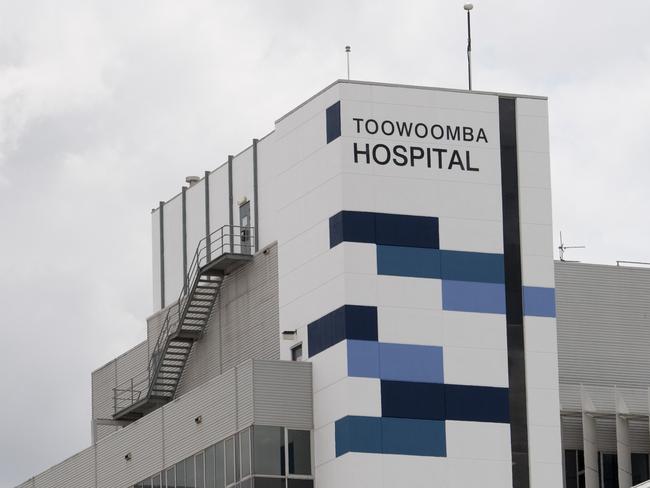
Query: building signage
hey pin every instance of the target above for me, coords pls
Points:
(424, 146)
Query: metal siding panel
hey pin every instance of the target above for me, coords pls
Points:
(103, 382)
(245, 405)
(143, 439)
(244, 324)
(131, 363)
(572, 432)
(603, 331)
(77, 471)
(216, 403)
(283, 393)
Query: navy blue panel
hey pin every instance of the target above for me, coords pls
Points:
(326, 331)
(471, 266)
(413, 437)
(360, 322)
(347, 322)
(477, 403)
(414, 262)
(352, 227)
(333, 121)
(406, 230)
(357, 434)
(405, 399)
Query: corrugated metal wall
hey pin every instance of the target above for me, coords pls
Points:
(603, 323)
(282, 394)
(256, 392)
(108, 377)
(603, 316)
(244, 324)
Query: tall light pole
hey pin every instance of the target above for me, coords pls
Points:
(468, 7)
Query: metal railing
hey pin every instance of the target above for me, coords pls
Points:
(225, 240)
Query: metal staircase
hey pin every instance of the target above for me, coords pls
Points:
(217, 255)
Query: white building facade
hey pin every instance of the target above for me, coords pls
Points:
(363, 297)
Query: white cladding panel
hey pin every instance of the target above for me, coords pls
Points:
(195, 215)
(155, 257)
(218, 198)
(173, 238)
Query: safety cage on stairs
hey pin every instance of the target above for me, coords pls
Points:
(216, 255)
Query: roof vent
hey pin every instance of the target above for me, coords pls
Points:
(192, 180)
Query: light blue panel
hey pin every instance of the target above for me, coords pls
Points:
(539, 302)
(468, 296)
(363, 359)
(471, 266)
(408, 362)
(415, 262)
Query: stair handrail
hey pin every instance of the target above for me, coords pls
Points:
(203, 255)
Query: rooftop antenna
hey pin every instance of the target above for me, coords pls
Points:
(347, 54)
(468, 7)
(563, 248)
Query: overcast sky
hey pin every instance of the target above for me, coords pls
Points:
(105, 107)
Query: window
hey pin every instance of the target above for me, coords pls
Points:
(219, 466)
(209, 467)
(200, 473)
(268, 450)
(230, 461)
(257, 457)
(180, 475)
(299, 452)
(640, 471)
(574, 463)
(296, 352)
(171, 477)
(245, 446)
(608, 470)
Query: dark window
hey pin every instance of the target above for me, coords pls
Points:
(299, 452)
(574, 469)
(268, 450)
(296, 352)
(608, 471)
(301, 483)
(155, 481)
(268, 482)
(640, 471)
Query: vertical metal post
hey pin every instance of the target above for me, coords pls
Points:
(184, 204)
(161, 214)
(256, 220)
(347, 53)
(230, 205)
(207, 220)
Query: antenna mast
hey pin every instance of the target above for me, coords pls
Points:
(468, 7)
(563, 248)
